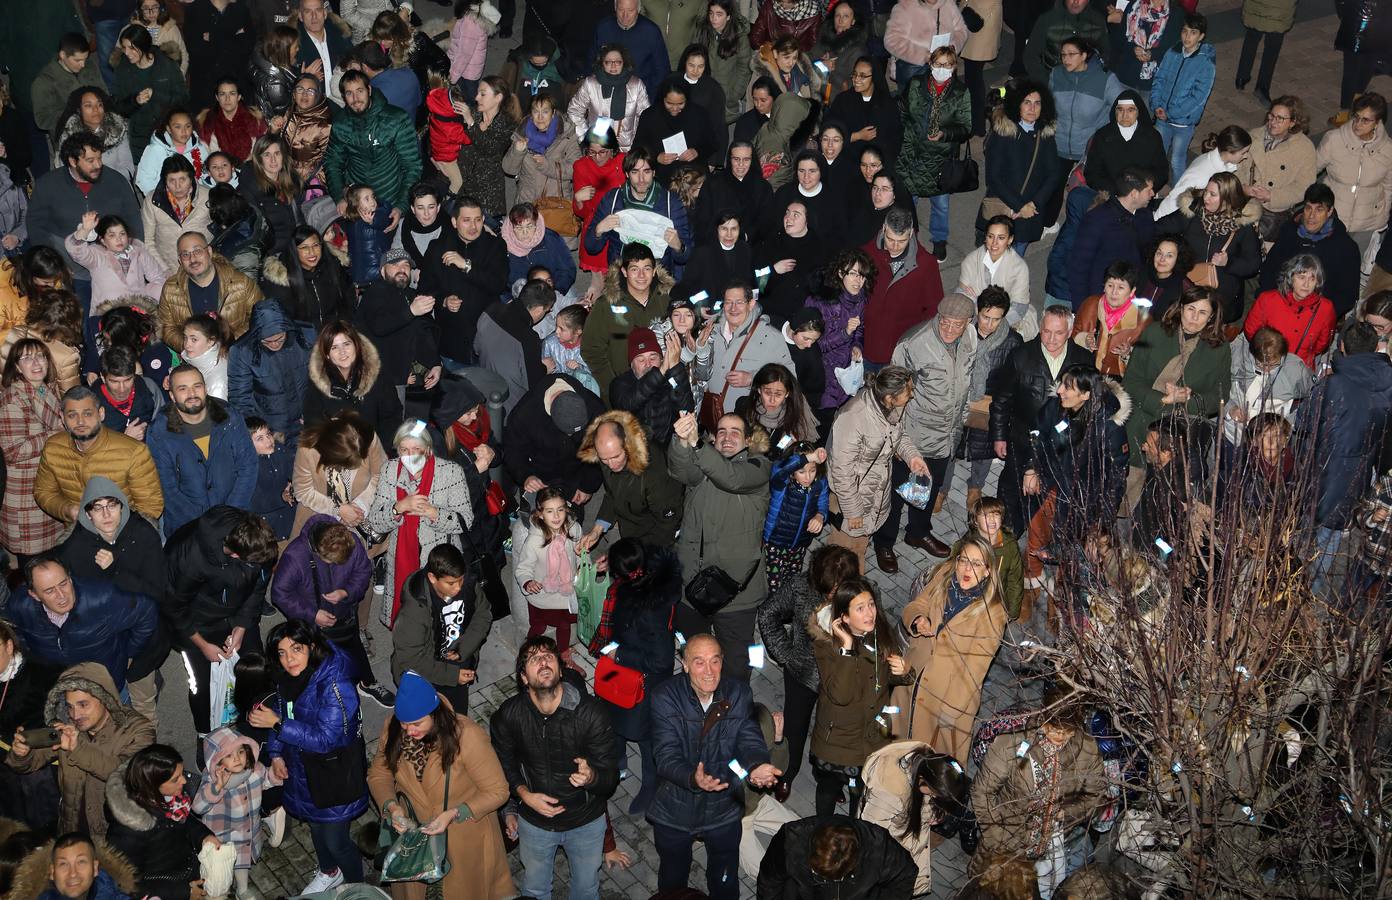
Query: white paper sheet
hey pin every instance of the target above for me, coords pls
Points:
(940, 40)
(675, 144)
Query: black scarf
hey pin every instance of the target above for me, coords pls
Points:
(615, 89)
(292, 686)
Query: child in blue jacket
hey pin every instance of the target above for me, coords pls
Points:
(1180, 91)
(271, 498)
(797, 511)
(365, 225)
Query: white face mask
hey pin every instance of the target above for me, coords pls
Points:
(413, 462)
(942, 74)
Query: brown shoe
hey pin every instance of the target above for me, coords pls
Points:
(938, 503)
(929, 544)
(886, 560)
(973, 495)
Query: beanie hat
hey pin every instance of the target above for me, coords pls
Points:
(957, 306)
(569, 413)
(642, 340)
(415, 698)
(396, 255)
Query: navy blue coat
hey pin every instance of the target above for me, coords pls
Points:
(265, 384)
(326, 718)
(1106, 234)
(193, 484)
(1347, 419)
(791, 506)
(645, 45)
(666, 204)
(107, 625)
(551, 253)
(680, 741)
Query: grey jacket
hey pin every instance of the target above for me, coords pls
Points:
(726, 503)
(14, 206)
(863, 443)
(765, 346)
(937, 413)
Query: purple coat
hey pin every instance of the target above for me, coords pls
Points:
(836, 344)
(293, 590)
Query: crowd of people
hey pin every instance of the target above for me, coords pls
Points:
(309, 318)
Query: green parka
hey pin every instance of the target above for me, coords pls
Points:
(377, 147)
(1207, 373)
(730, 72)
(1270, 16)
(924, 111)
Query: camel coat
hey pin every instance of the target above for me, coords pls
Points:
(478, 859)
(949, 667)
(983, 45)
(1359, 174)
(310, 485)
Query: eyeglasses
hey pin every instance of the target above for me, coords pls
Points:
(975, 565)
(306, 91)
(111, 507)
(190, 254)
(1366, 120)
(1272, 117)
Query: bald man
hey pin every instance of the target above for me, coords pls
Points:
(709, 750)
(640, 495)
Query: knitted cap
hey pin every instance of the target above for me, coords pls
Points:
(642, 340)
(415, 698)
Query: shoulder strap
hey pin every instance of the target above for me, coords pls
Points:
(1033, 157)
(753, 327)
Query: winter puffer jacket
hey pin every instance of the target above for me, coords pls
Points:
(64, 472)
(163, 851)
(376, 147)
(684, 735)
(589, 104)
(326, 718)
(1083, 101)
(1346, 420)
(792, 506)
(192, 482)
(726, 504)
(1183, 84)
(1307, 325)
(936, 414)
(863, 442)
(327, 293)
(1270, 16)
(538, 752)
(852, 693)
(269, 384)
(836, 343)
(302, 577)
(210, 593)
(161, 148)
(272, 86)
(783, 619)
(1359, 174)
(446, 126)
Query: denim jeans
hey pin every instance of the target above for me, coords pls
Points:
(336, 850)
(584, 848)
(1327, 542)
(722, 858)
(1176, 139)
(108, 32)
(938, 216)
(904, 73)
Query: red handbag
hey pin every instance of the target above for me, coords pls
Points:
(618, 684)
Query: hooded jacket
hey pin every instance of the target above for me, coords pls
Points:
(936, 413)
(371, 396)
(1111, 153)
(1346, 423)
(194, 483)
(604, 344)
(730, 72)
(643, 499)
(136, 543)
(115, 879)
(1183, 83)
(83, 772)
(324, 295)
(723, 516)
(163, 851)
(302, 577)
(775, 136)
(326, 717)
(533, 445)
(210, 593)
(265, 383)
(234, 813)
(377, 147)
(1083, 101)
(1055, 26)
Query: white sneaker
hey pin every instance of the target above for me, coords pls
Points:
(275, 825)
(323, 882)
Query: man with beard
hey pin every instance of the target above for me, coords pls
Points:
(397, 320)
(202, 450)
(372, 143)
(63, 195)
(205, 283)
(468, 271)
(557, 751)
(86, 448)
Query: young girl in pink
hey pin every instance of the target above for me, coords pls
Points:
(120, 265)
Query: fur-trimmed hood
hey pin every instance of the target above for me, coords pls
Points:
(123, 808)
(819, 624)
(635, 443)
(91, 678)
(137, 302)
(662, 285)
(275, 271)
(31, 876)
(367, 377)
(1005, 126)
(1191, 200)
(1118, 405)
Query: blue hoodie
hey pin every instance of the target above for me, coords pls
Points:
(1083, 101)
(269, 384)
(1182, 85)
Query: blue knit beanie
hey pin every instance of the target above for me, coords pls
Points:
(415, 698)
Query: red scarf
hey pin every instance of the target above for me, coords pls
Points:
(123, 406)
(408, 547)
(177, 808)
(470, 438)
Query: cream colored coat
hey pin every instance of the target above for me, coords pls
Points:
(1360, 176)
(984, 45)
(886, 800)
(949, 666)
(1286, 170)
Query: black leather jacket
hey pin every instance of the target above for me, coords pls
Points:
(1020, 388)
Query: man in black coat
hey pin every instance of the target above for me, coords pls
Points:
(1318, 231)
(1129, 141)
(466, 271)
(1018, 391)
(543, 435)
(656, 386)
(802, 861)
(1119, 229)
(507, 344)
(397, 321)
(212, 607)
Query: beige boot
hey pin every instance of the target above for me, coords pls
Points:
(938, 503)
(973, 495)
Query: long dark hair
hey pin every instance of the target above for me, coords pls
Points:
(301, 633)
(794, 408)
(254, 683)
(841, 263)
(296, 272)
(1213, 331)
(444, 736)
(35, 263)
(943, 776)
(56, 316)
(74, 105)
(736, 29)
(1086, 378)
(886, 640)
(147, 770)
(343, 441)
(11, 374)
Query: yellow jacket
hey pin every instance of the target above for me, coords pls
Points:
(63, 473)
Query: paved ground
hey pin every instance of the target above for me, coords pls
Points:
(1308, 67)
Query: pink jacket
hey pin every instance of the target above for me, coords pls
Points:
(145, 276)
(468, 49)
(913, 24)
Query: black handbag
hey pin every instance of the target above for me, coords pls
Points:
(959, 175)
(713, 589)
(346, 626)
(339, 777)
(490, 586)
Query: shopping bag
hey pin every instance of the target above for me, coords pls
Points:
(221, 684)
(917, 491)
(851, 378)
(590, 588)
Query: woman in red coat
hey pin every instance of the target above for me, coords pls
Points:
(1297, 309)
(597, 172)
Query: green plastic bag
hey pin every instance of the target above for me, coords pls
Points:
(590, 590)
(414, 855)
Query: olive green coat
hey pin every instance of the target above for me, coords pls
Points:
(924, 112)
(1207, 374)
